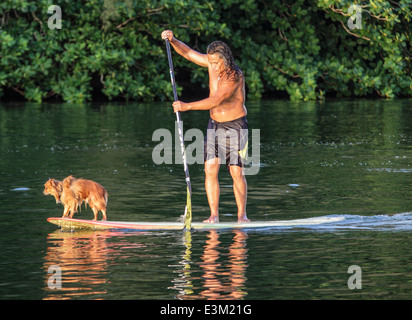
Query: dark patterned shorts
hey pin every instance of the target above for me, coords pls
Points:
(227, 141)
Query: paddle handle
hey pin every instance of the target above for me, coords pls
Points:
(172, 79)
(172, 73)
(179, 122)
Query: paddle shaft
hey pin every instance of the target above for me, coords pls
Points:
(180, 129)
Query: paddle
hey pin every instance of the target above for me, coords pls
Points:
(188, 211)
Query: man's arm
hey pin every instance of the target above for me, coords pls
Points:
(225, 91)
(185, 51)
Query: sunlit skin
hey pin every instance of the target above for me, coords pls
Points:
(225, 103)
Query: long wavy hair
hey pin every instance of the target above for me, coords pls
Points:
(232, 71)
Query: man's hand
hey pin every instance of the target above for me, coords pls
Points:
(179, 106)
(167, 34)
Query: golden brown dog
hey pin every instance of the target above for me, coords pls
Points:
(68, 199)
(71, 192)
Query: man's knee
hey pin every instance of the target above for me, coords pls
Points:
(236, 172)
(212, 167)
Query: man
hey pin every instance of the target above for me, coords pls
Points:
(227, 112)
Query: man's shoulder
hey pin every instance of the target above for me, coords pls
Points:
(233, 75)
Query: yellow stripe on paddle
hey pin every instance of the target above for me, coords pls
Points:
(188, 216)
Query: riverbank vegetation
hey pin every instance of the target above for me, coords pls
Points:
(109, 49)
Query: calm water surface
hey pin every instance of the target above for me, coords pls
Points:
(351, 159)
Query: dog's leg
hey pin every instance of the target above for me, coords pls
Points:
(66, 211)
(95, 211)
(73, 208)
(104, 215)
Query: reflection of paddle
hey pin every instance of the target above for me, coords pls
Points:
(188, 211)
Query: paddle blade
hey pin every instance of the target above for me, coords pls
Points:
(188, 216)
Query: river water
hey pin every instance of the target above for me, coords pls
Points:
(350, 159)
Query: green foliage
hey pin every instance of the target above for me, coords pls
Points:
(111, 47)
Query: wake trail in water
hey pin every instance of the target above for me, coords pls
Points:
(395, 222)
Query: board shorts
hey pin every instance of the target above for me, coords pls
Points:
(227, 141)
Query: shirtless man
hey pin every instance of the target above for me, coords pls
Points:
(227, 112)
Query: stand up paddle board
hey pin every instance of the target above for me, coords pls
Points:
(73, 224)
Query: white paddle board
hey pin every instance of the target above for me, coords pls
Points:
(74, 224)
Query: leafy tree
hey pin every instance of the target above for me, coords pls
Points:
(113, 48)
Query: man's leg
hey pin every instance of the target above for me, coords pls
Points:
(212, 188)
(240, 191)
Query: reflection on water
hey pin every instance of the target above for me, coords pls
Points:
(225, 282)
(222, 276)
(82, 258)
(86, 258)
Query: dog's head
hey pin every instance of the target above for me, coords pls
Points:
(53, 187)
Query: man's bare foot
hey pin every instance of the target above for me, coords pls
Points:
(212, 219)
(243, 218)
